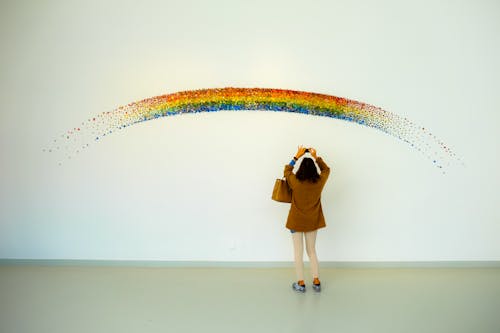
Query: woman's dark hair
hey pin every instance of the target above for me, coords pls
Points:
(307, 171)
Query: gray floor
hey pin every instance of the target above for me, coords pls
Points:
(130, 299)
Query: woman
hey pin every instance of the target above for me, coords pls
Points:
(306, 215)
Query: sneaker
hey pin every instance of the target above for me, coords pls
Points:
(299, 287)
(316, 285)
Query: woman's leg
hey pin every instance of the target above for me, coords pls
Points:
(311, 252)
(298, 246)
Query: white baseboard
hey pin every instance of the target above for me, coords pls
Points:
(248, 264)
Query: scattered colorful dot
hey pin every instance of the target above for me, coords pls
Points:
(262, 99)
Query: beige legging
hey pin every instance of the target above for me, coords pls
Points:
(298, 245)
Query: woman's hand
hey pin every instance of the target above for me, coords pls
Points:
(300, 151)
(313, 152)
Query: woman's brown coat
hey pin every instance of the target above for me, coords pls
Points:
(305, 212)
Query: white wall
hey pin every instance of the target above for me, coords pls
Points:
(197, 187)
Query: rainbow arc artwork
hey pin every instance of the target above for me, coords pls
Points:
(92, 130)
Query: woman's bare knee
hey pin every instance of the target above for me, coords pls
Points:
(310, 251)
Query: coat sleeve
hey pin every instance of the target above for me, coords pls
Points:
(325, 169)
(290, 177)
